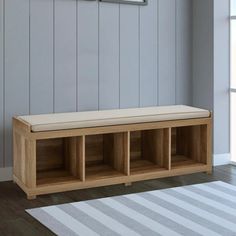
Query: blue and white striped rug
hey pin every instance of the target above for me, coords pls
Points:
(203, 209)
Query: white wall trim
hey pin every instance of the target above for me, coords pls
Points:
(221, 159)
(5, 174)
(233, 163)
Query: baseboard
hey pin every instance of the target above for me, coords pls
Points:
(5, 174)
(222, 159)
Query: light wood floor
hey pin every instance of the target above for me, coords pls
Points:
(14, 220)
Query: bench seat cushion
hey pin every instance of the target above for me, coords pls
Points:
(62, 121)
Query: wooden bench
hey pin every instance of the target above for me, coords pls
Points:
(63, 152)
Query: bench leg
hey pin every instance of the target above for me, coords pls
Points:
(128, 184)
(209, 171)
(31, 197)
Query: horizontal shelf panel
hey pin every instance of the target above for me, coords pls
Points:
(54, 176)
(103, 171)
(143, 166)
(76, 184)
(180, 161)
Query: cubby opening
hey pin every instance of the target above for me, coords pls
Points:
(57, 160)
(106, 156)
(149, 151)
(188, 146)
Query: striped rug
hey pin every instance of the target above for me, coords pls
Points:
(204, 209)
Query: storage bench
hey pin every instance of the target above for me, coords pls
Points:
(69, 151)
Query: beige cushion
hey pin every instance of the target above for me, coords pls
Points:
(61, 121)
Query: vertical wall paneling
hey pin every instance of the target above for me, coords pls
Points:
(16, 66)
(87, 55)
(1, 81)
(183, 52)
(41, 56)
(65, 55)
(68, 55)
(108, 56)
(167, 66)
(148, 54)
(129, 56)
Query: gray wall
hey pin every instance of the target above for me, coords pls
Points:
(203, 64)
(221, 76)
(59, 56)
(211, 66)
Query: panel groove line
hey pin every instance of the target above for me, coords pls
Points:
(2, 83)
(119, 62)
(77, 58)
(139, 56)
(176, 30)
(29, 57)
(157, 51)
(98, 55)
(54, 56)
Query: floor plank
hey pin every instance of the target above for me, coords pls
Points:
(15, 221)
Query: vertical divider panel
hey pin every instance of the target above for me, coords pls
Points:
(167, 148)
(118, 162)
(18, 152)
(30, 163)
(196, 144)
(81, 157)
(209, 146)
(22, 154)
(126, 141)
(203, 144)
(172, 144)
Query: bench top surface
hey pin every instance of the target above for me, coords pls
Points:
(62, 121)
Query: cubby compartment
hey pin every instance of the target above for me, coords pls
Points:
(57, 160)
(106, 156)
(188, 146)
(149, 151)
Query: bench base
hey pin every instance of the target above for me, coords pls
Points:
(58, 161)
